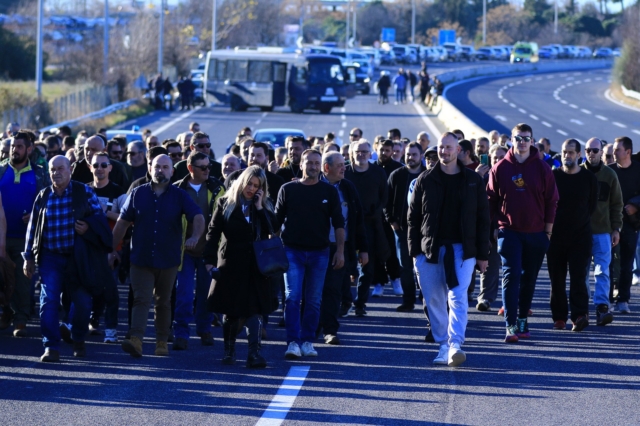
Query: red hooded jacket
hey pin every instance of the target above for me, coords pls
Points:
(522, 196)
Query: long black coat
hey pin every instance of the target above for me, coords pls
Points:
(241, 291)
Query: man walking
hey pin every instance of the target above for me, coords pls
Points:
(448, 236)
(606, 223)
(396, 214)
(571, 242)
(200, 142)
(300, 203)
(20, 182)
(295, 146)
(522, 198)
(204, 190)
(157, 208)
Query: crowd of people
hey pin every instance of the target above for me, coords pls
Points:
(406, 84)
(86, 215)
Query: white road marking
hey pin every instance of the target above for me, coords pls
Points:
(602, 118)
(538, 78)
(549, 77)
(586, 111)
(598, 78)
(578, 122)
(512, 105)
(607, 94)
(587, 80)
(562, 132)
(505, 101)
(432, 127)
(637, 132)
(343, 109)
(546, 124)
(615, 123)
(174, 121)
(343, 117)
(341, 133)
(264, 114)
(573, 106)
(500, 117)
(511, 84)
(519, 82)
(282, 402)
(522, 110)
(562, 101)
(533, 116)
(527, 80)
(344, 124)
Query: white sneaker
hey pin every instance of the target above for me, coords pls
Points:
(293, 351)
(456, 355)
(307, 349)
(635, 280)
(111, 335)
(441, 359)
(397, 287)
(377, 291)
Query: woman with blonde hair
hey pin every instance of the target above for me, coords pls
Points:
(238, 290)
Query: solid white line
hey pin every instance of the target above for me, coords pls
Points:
(174, 121)
(586, 111)
(546, 124)
(563, 133)
(282, 402)
(607, 94)
(435, 133)
(615, 123)
(533, 116)
(602, 118)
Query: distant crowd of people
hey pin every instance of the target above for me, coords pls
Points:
(81, 216)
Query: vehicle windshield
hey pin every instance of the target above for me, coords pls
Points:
(276, 139)
(325, 73)
(523, 50)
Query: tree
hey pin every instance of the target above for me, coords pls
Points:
(18, 56)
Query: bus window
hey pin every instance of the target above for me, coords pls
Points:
(221, 68)
(259, 72)
(325, 73)
(211, 71)
(279, 71)
(237, 70)
(301, 75)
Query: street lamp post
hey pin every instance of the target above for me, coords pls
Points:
(214, 27)
(39, 69)
(161, 37)
(555, 18)
(346, 38)
(105, 65)
(413, 21)
(484, 22)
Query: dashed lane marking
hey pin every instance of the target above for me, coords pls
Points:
(522, 110)
(586, 111)
(533, 116)
(573, 106)
(615, 123)
(602, 118)
(546, 124)
(562, 132)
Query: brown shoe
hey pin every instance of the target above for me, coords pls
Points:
(162, 349)
(560, 325)
(20, 331)
(133, 346)
(50, 355)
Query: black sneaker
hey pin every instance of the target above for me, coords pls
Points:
(405, 308)
(360, 312)
(345, 309)
(580, 323)
(603, 316)
(429, 337)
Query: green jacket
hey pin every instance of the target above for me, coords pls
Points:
(608, 214)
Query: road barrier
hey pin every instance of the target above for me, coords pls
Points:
(453, 118)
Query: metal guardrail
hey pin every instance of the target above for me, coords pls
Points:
(93, 115)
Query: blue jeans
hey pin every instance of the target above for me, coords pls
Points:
(522, 255)
(193, 273)
(407, 278)
(308, 267)
(601, 252)
(52, 268)
(400, 94)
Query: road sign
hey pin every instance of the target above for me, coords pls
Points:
(447, 36)
(388, 35)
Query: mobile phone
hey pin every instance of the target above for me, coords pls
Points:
(272, 155)
(484, 159)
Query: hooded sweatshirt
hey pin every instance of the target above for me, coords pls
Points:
(522, 196)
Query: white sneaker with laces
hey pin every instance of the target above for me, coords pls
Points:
(456, 355)
(307, 349)
(111, 335)
(377, 291)
(397, 287)
(293, 351)
(441, 359)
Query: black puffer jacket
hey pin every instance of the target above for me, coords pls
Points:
(426, 206)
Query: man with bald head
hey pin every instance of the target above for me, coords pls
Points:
(448, 236)
(59, 215)
(81, 172)
(157, 208)
(606, 223)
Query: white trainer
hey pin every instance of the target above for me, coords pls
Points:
(111, 335)
(307, 349)
(377, 291)
(456, 355)
(397, 287)
(293, 351)
(441, 359)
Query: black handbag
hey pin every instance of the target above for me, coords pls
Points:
(271, 257)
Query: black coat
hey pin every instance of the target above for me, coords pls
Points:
(425, 209)
(240, 291)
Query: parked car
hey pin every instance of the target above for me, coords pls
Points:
(132, 134)
(572, 52)
(603, 53)
(454, 51)
(485, 54)
(585, 52)
(374, 56)
(403, 54)
(468, 53)
(616, 52)
(437, 54)
(387, 57)
(547, 53)
(562, 53)
(505, 52)
(276, 137)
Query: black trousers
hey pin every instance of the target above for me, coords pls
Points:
(331, 296)
(576, 258)
(628, 241)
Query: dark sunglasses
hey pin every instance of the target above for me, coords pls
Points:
(103, 165)
(203, 168)
(592, 150)
(176, 154)
(353, 135)
(522, 138)
(203, 145)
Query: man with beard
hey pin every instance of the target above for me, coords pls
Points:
(606, 222)
(157, 208)
(258, 156)
(295, 146)
(571, 240)
(20, 183)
